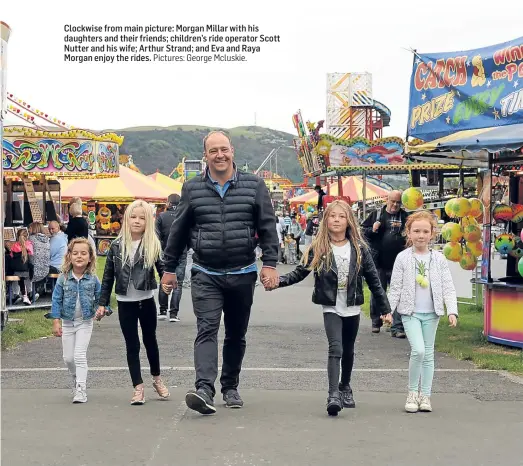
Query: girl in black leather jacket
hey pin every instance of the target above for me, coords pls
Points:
(131, 261)
(339, 258)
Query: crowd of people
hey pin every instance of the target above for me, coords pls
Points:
(223, 217)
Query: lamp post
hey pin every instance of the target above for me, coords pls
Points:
(5, 32)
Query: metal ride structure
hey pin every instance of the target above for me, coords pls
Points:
(187, 169)
(351, 109)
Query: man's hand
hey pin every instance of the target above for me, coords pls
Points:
(376, 226)
(100, 313)
(269, 277)
(169, 280)
(387, 318)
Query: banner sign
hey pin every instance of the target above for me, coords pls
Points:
(471, 89)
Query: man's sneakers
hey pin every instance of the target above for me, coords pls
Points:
(200, 401)
(399, 334)
(173, 316)
(334, 404)
(347, 398)
(162, 315)
(232, 399)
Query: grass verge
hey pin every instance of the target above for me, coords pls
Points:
(467, 342)
(32, 326)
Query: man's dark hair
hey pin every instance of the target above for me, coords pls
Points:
(173, 199)
(317, 188)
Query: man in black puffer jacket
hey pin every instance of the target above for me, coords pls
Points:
(164, 222)
(218, 217)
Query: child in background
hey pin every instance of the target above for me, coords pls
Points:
(421, 284)
(75, 300)
(340, 259)
(291, 245)
(130, 262)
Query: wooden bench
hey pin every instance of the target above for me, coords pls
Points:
(9, 280)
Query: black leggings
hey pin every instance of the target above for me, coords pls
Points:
(341, 333)
(128, 314)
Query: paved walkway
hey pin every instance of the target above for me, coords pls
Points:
(477, 418)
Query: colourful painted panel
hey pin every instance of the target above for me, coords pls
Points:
(64, 154)
(506, 314)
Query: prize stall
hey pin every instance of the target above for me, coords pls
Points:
(478, 126)
(105, 201)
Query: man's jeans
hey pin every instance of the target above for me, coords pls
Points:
(212, 294)
(163, 298)
(375, 311)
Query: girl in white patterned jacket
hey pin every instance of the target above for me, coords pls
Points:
(421, 284)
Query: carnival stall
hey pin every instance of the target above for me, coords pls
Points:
(35, 156)
(352, 188)
(105, 201)
(479, 126)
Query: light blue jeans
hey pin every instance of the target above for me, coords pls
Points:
(421, 332)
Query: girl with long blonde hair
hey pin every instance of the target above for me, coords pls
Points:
(339, 259)
(131, 261)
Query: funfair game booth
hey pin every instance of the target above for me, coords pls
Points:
(105, 201)
(480, 124)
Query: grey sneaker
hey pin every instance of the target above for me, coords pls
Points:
(81, 394)
(232, 398)
(200, 401)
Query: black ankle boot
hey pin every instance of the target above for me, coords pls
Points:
(346, 397)
(334, 404)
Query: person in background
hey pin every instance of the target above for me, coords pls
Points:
(22, 264)
(321, 193)
(57, 247)
(309, 229)
(383, 229)
(279, 231)
(164, 222)
(77, 226)
(42, 254)
(296, 231)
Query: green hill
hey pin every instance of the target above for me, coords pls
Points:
(162, 148)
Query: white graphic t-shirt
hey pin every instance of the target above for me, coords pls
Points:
(342, 258)
(423, 301)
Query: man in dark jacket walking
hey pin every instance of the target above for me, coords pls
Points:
(164, 222)
(383, 229)
(219, 215)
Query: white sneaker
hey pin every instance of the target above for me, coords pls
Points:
(81, 394)
(26, 301)
(412, 404)
(424, 403)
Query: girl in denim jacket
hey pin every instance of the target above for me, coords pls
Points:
(75, 300)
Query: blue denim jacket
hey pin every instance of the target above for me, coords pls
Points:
(65, 295)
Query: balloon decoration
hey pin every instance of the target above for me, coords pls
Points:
(412, 199)
(520, 266)
(463, 236)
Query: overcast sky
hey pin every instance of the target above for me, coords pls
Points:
(316, 38)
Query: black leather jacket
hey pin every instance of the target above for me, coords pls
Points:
(143, 279)
(326, 282)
